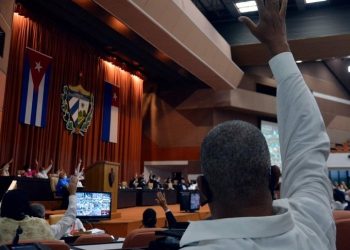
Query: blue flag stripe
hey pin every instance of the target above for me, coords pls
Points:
(25, 81)
(34, 107)
(107, 103)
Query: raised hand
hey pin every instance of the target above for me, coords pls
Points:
(72, 187)
(271, 27)
(161, 201)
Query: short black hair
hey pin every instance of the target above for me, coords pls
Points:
(149, 218)
(235, 161)
(38, 210)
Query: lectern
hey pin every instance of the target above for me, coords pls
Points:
(103, 176)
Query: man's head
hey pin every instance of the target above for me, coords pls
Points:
(149, 218)
(235, 162)
(62, 175)
(38, 210)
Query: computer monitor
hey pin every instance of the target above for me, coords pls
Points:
(195, 203)
(189, 201)
(94, 206)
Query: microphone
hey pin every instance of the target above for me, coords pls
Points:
(19, 231)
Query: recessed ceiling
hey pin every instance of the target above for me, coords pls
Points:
(316, 31)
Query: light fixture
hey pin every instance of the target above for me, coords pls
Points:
(298, 61)
(349, 69)
(247, 6)
(314, 1)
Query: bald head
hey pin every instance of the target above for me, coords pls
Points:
(235, 162)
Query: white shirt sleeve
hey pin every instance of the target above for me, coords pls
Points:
(59, 229)
(48, 169)
(304, 150)
(304, 141)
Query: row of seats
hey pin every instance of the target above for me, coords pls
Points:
(81, 240)
(140, 238)
(342, 222)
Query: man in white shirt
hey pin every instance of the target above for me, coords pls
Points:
(43, 172)
(64, 225)
(235, 163)
(79, 173)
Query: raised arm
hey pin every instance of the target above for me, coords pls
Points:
(77, 169)
(303, 137)
(47, 170)
(60, 228)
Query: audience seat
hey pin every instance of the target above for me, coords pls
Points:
(52, 244)
(93, 239)
(53, 184)
(140, 238)
(341, 214)
(54, 218)
(342, 222)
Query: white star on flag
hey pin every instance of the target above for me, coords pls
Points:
(38, 67)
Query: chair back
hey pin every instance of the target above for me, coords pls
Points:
(341, 214)
(51, 244)
(53, 184)
(343, 232)
(342, 222)
(140, 238)
(54, 218)
(86, 239)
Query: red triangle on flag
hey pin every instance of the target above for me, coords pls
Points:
(39, 64)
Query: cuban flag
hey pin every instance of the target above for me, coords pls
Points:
(35, 88)
(110, 113)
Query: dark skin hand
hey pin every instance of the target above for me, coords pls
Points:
(72, 187)
(161, 201)
(271, 27)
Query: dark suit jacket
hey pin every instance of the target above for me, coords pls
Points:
(172, 223)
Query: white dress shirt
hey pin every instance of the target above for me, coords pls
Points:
(43, 173)
(303, 219)
(62, 226)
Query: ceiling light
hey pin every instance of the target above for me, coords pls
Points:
(247, 6)
(298, 61)
(349, 69)
(314, 1)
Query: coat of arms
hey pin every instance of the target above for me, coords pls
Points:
(78, 107)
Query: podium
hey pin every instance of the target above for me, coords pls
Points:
(98, 176)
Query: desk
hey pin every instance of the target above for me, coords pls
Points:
(126, 198)
(143, 197)
(37, 189)
(170, 196)
(146, 197)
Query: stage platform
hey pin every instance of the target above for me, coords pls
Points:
(131, 218)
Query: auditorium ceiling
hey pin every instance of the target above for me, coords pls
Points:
(317, 33)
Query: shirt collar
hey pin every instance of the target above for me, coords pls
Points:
(242, 227)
